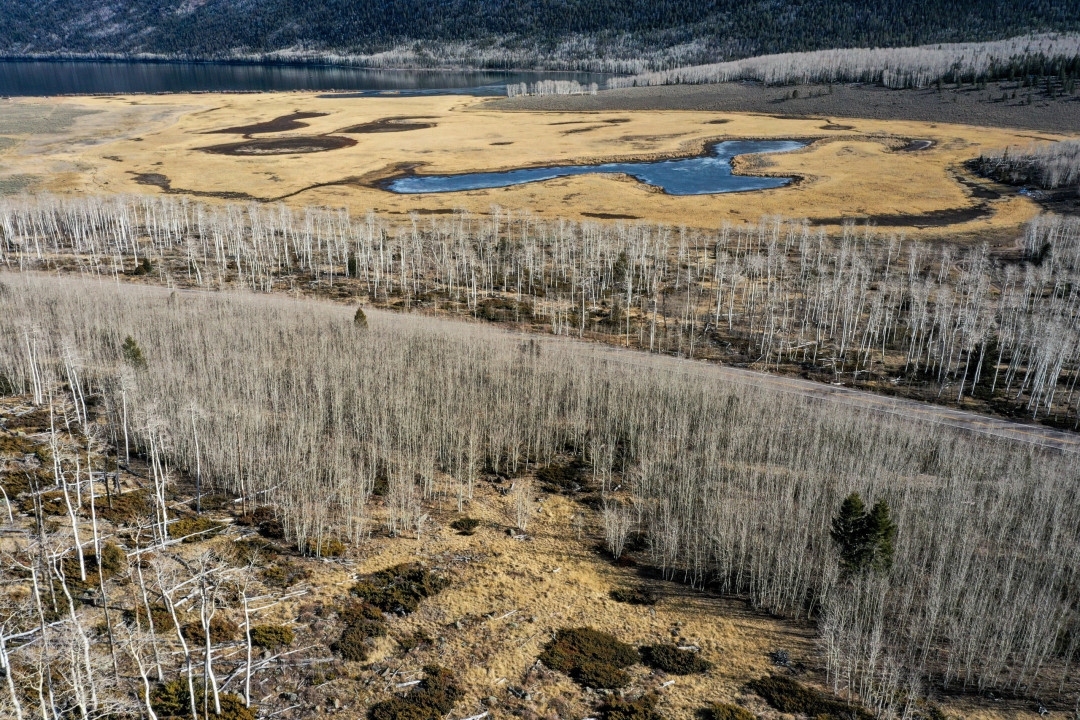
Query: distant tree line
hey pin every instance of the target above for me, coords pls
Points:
(1048, 62)
(548, 32)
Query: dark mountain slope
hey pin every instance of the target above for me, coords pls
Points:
(722, 28)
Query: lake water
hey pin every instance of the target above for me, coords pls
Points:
(36, 78)
(704, 175)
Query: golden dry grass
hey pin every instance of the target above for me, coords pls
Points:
(856, 170)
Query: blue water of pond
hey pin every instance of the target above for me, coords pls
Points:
(704, 175)
(41, 77)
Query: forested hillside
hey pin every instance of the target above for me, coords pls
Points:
(493, 32)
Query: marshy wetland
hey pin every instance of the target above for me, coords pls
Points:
(908, 174)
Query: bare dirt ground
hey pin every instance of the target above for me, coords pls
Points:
(966, 106)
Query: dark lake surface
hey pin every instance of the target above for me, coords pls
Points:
(39, 78)
(704, 175)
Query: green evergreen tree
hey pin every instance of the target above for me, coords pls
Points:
(133, 354)
(360, 318)
(864, 539)
(879, 532)
(847, 532)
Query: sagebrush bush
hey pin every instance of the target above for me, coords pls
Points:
(672, 660)
(272, 637)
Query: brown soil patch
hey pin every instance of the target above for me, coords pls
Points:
(917, 146)
(834, 126)
(282, 146)
(934, 218)
(587, 128)
(391, 124)
(283, 123)
(611, 216)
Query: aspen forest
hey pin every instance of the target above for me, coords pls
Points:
(863, 306)
(546, 360)
(293, 405)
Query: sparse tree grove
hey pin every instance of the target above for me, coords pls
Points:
(734, 487)
(894, 67)
(948, 321)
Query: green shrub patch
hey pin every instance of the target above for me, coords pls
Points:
(465, 525)
(271, 637)
(672, 660)
(593, 658)
(399, 589)
(791, 696)
(194, 529)
(123, 508)
(643, 708)
(172, 700)
(566, 479)
(725, 711)
(221, 630)
(634, 596)
(362, 621)
(433, 698)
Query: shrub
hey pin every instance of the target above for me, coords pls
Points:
(414, 639)
(565, 479)
(113, 560)
(123, 508)
(600, 675)
(358, 612)
(590, 656)
(362, 621)
(172, 700)
(194, 529)
(643, 708)
(285, 575)
(634, 596)
(725, 711)
(465, 525)
(221, 630)
(160, 616)
(271, 637)
(352, 645)
(328, 547)
(399, 589)
(790, 696)
(433, 698)
(672, 660)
